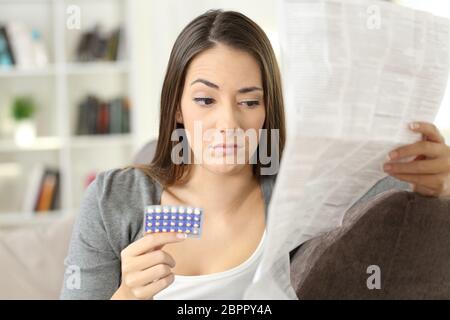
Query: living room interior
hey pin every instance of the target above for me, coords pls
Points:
(109, 57)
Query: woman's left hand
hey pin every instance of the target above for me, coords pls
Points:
(429, 172)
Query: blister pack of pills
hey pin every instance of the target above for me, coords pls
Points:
(167, 218)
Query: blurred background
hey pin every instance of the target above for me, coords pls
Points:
(79, 90)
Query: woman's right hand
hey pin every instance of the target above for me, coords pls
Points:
(146, 269)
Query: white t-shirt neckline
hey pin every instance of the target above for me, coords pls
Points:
(227, 273)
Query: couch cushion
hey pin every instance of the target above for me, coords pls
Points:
(403, 233)
(32, 260)
(146, 153)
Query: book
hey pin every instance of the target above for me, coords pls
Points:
(32, 191)
(96, 44)
(116, 116)
(126, 115)
(48, 191)
(97, 116)
(82, 127)
(113, 45)
(21, 47)
(55, 203)
(103, 119)
(93, 106)
(6, 53)
(22, 44)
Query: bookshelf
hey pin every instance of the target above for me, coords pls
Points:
(58, 89)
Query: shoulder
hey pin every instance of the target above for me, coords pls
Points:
(118, 198)
(268, 180)
(385, 184)
(122, 177)
(118, 184)
(267, 185)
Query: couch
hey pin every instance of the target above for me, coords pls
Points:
(403, 234)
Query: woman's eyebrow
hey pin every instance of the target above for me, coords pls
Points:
(215, 86)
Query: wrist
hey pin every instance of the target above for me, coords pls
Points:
(122, 293)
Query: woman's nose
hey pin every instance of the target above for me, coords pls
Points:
(227, 118)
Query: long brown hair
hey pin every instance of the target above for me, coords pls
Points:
(214, 26)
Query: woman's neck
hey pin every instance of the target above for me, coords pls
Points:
(219, 192)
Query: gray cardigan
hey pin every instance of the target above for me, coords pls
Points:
(111, 217)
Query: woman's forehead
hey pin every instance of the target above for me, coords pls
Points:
(222, 64)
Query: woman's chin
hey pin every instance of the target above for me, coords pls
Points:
(224, 168)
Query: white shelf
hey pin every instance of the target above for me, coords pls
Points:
(74, 68)
(31, 72)
(41, 143)
(18, 219)
(97, 67)
(59, 87)
(56, 143)
(103, 140)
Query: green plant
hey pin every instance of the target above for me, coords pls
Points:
(23, 108)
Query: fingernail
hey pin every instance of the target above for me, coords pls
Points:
(181, 235)
(387, 167)
(393, 155)
(414, 125)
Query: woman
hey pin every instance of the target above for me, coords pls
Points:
(222, 75)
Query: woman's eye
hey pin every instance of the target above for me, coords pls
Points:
(209, 101)
(205, 101)
(251, 103)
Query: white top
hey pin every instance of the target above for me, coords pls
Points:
(225, 285)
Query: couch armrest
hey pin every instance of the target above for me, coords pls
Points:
(32, 260)
(407, 235)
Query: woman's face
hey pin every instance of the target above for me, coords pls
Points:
(222, 108)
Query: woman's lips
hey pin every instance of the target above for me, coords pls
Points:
(223, 148)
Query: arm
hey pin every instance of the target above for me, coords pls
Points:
(92, 269)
